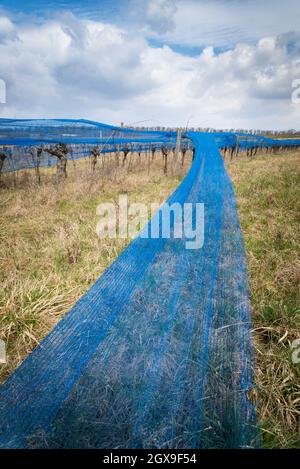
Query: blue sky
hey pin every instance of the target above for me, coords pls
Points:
(225, 63)
(101, 10)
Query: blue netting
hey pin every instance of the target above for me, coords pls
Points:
(157, 354)
(20, 140)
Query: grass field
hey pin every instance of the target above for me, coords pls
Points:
(50, 255)
(49, 250)
(268, 195)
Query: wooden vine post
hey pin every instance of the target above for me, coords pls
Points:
(61, 152)
(3, 157)
(165, 152)
(176, 152)
(95, 154)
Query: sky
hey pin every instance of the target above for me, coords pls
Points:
(209, 63)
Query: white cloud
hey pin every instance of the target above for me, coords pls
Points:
(160, 15)
(223, 23)
(6, 28)
(81, 68)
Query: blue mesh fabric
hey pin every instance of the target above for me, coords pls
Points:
(158, 353)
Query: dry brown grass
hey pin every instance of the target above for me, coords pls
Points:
(49, 251)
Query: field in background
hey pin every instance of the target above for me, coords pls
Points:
(50, 255)
(268, 196)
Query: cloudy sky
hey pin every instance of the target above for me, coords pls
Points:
(218, 63)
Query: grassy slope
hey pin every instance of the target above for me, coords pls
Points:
(268, 194)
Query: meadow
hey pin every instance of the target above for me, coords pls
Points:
(268, 195)
(50, 252)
